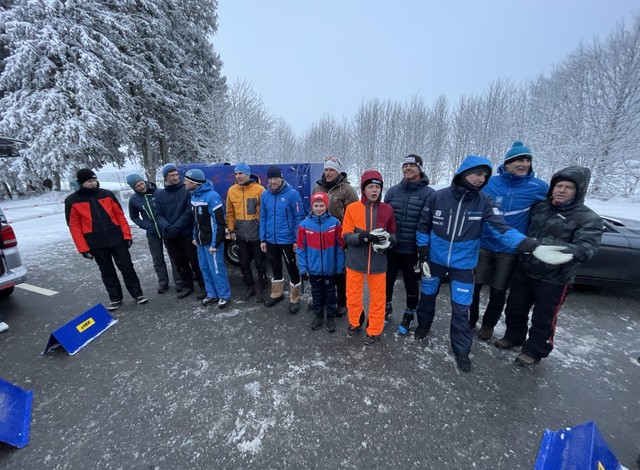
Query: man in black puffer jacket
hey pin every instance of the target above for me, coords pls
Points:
(561, 220)
(407, 199)
(172, 210)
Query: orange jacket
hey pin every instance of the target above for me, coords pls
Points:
(95, 219)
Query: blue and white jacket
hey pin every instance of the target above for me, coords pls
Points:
(453, 219)
(280, 214)
(208, 215)
(514, 196)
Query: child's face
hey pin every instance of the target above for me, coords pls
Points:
(372, 191)
(318, 208)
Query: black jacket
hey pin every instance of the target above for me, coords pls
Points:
(407, 200)
(573, 225)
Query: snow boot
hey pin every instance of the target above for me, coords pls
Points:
(485, 333)
(317, 323)
(262, 288)
(248, 293)
(277, 293)
(464, 363)
(295, 292)
(524, 360)
(405, 325)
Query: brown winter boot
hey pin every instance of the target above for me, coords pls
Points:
(295, 292)
(277, 289)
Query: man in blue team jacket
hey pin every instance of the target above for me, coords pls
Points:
(515, 189)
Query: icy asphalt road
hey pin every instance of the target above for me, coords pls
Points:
(175, 385)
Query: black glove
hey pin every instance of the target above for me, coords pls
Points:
(527, 245)
(87, 254)
(129, 243)
(423, 254)
(368, 237)
(305, 277)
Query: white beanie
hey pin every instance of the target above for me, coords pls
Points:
(334, 165)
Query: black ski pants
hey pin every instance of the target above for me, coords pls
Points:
(105, 258)
(249, 250)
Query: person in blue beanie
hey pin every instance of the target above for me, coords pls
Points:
(208, 237)
(141, 214)
(515, 189)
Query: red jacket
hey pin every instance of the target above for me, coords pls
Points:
(95, 219)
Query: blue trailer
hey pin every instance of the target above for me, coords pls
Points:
(301, 176)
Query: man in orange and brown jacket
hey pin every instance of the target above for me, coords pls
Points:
(369, 229)
(101, 232)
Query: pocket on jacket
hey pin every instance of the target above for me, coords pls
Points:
(252, 206)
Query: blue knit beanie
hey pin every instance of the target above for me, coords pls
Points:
(517, 151)
(195, 175)
(133, 179)
(168, 168)
(242, 167)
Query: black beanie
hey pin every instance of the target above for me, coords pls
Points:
(274, 172)
(413, 158)
(85, 175)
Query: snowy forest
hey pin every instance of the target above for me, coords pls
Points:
(94, 82)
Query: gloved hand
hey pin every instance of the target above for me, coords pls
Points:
(527, 245)
(370, 237)
(87, 254)
(380, 232)
(551, 254)
(305, 277)
(129, 243)
(381, 247)
(423, 254)
(426, 272)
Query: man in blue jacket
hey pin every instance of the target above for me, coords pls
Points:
(407, 199)
(208, 237)
(515, 189)
(280, 214)
(172, 208)
(448, 240)
(141, 213)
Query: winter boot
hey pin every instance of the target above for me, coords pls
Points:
(388, 310)
(317, 322)
(277, 295)
(248, 293)
(463, 362)
(295, 292)
(485, 333)
(262, 288)
(405, 325)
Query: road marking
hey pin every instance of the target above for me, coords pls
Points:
(36, 289)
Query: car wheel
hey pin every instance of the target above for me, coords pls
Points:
(4, 293)
(231, 252)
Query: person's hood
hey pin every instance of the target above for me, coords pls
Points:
(581, 176)
(366, 176)
(472, 161)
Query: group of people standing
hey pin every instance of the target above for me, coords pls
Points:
(511, 231)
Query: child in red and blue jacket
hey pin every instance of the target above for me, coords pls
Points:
(320, 250)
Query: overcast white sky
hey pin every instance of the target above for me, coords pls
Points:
(307, 58)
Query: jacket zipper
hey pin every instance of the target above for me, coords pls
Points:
(453, 235)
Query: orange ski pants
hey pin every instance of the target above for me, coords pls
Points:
(377, 299)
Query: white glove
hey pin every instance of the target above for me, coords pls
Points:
(426, 272)
(552, 254)
(380, 231)
(381, 247)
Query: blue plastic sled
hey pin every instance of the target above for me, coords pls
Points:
(80, 331)
(579, 447)
(15, 414)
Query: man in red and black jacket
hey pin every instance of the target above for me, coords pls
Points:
(100, 232)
